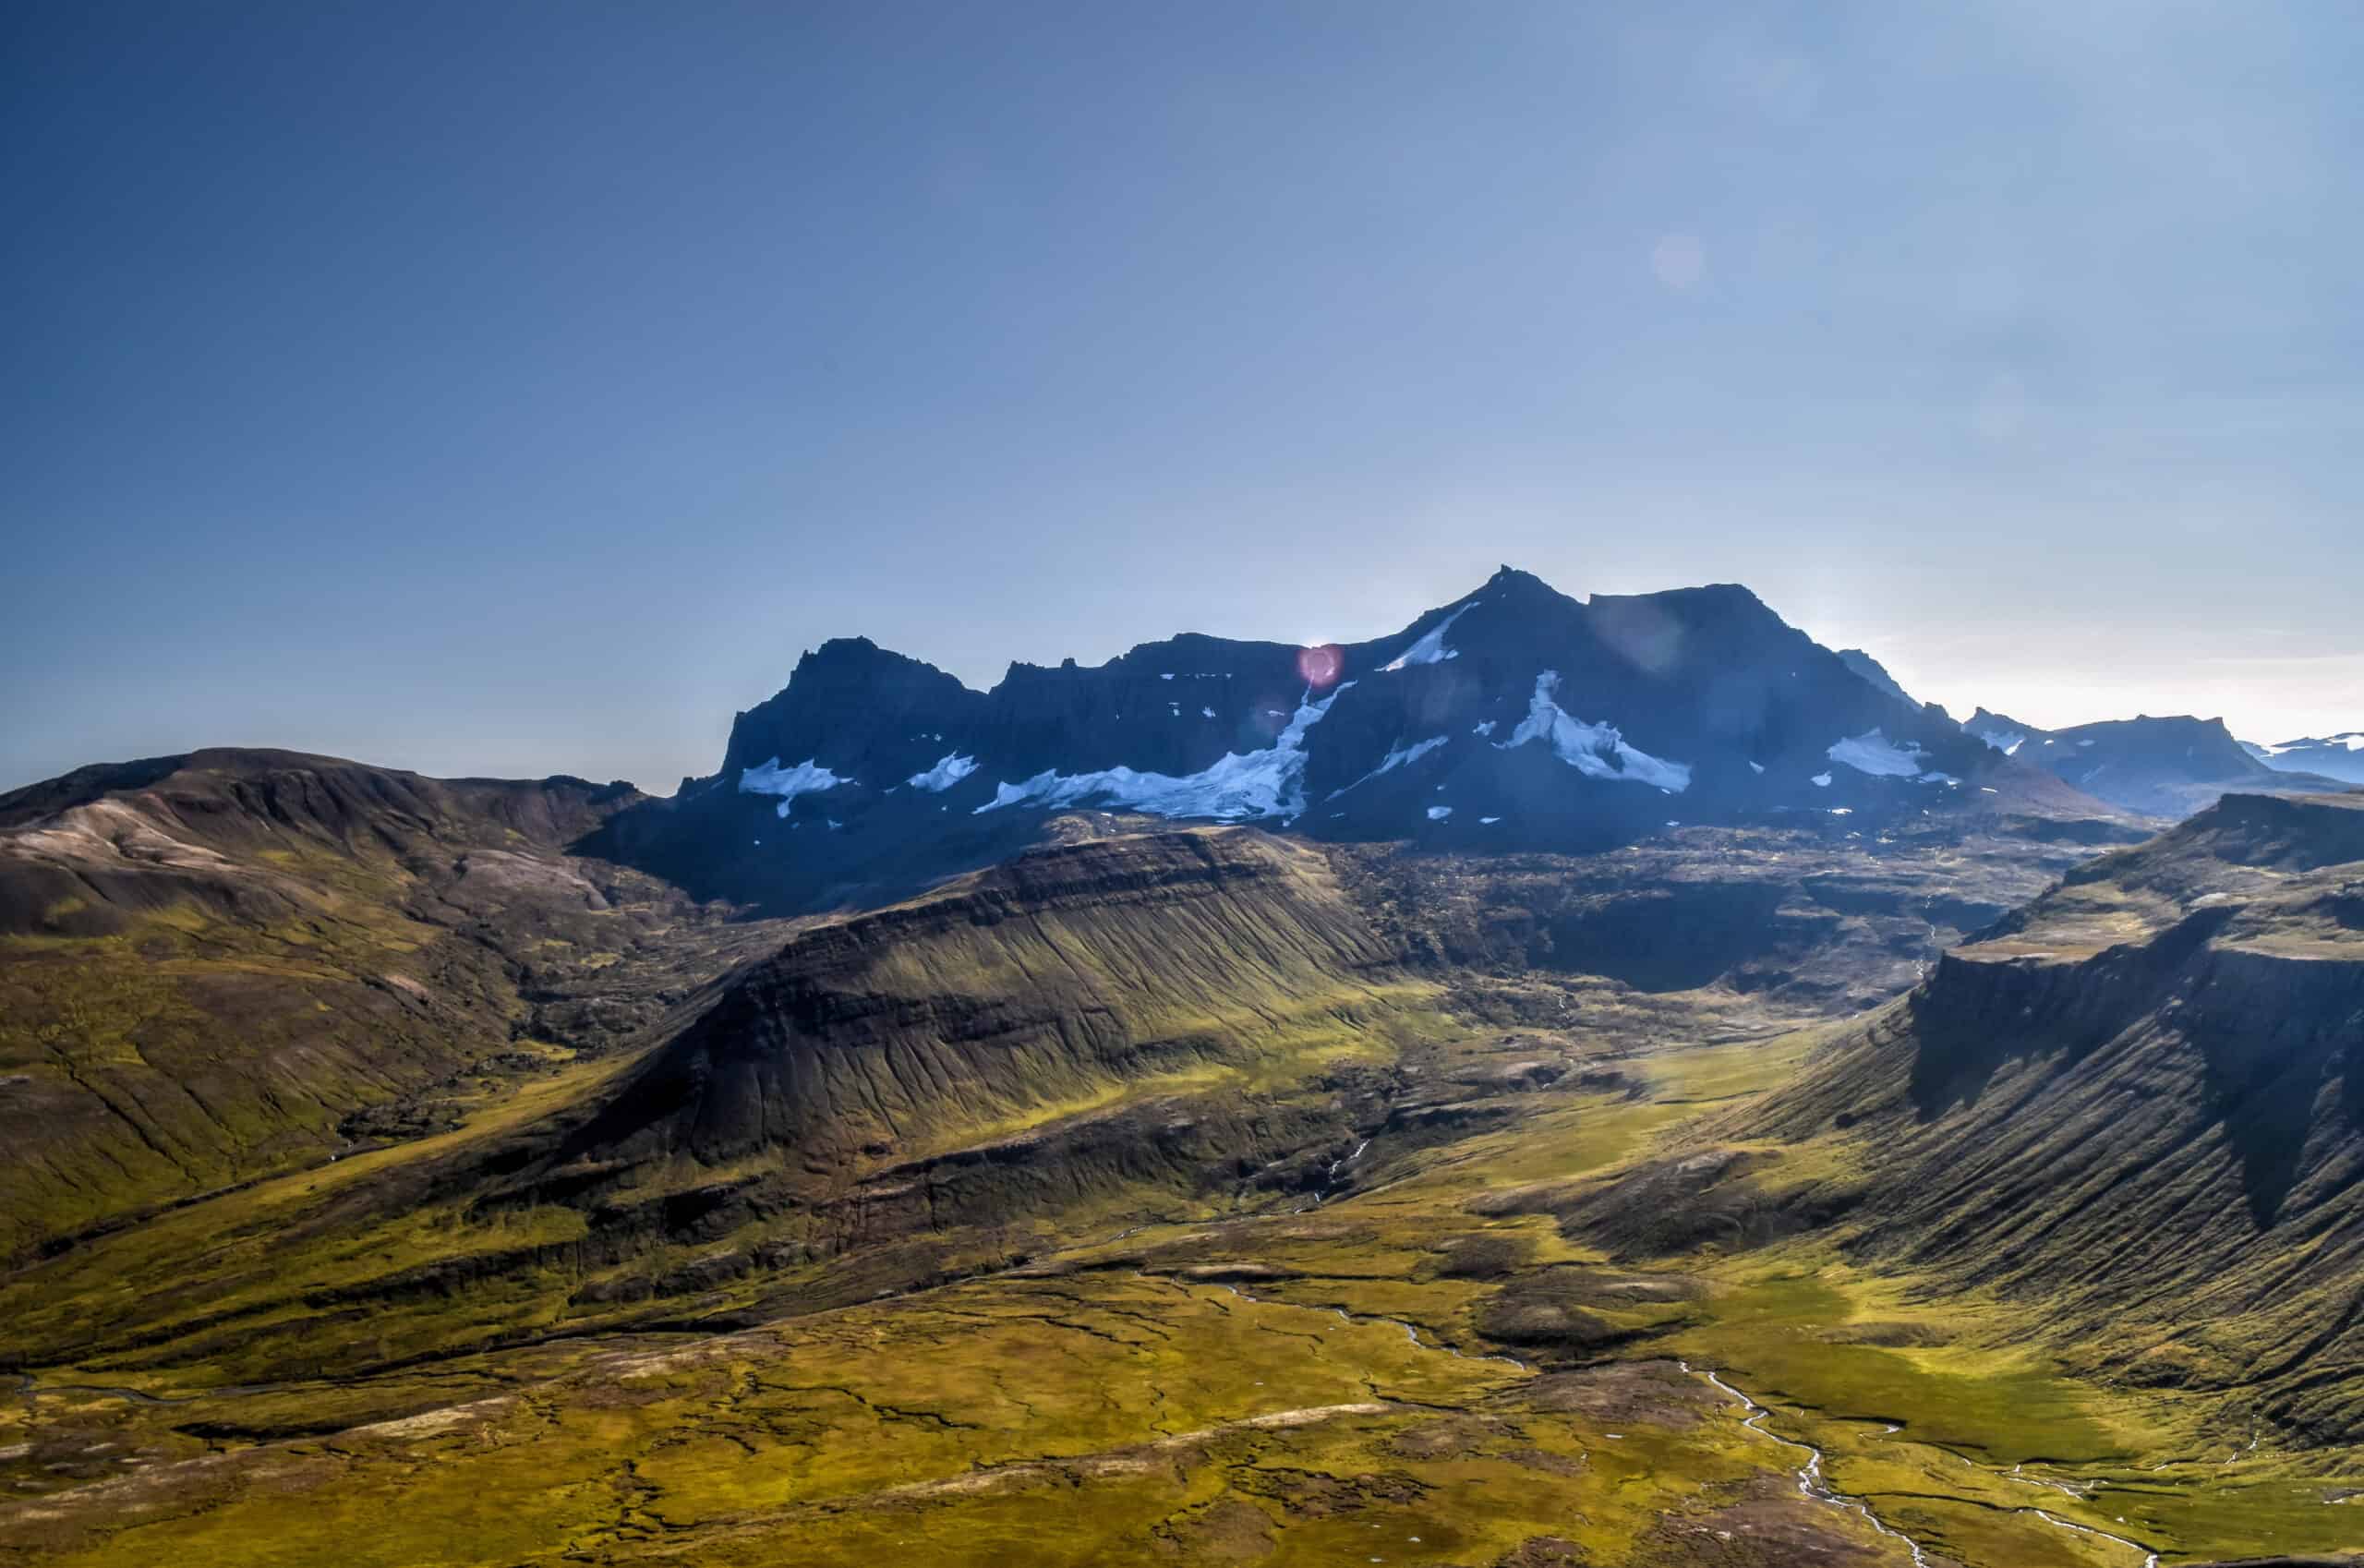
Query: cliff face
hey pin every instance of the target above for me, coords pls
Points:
(1053, 984)
(2140, 1100)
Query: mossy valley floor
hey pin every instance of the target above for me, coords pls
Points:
(1433, 1365)
(1190, 1198)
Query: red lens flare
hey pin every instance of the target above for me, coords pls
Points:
(1321, 665)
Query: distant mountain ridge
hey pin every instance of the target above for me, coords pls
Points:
(2159, 766)
(1512, 718)
(2337, 756)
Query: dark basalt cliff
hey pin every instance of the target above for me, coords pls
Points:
(2140, 1100)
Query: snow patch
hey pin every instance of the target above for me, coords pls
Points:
(1431, 648)
(1401, 756)
(1258, 784)
(1875, 754)
(1597, 751)
(948, 771)
(805, 779)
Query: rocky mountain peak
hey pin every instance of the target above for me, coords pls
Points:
(1513, 717)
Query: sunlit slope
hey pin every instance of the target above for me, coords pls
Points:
(2139, 1101)
(1422, 1369)
(1038, 987)
(1138, 1023)
(220, 965)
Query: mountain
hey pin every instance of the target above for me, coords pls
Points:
(221, 965)
(2158, 767)
(1179, 1006)
(1513, 719)
(2004, 734)
(1055, 978)
(2140, 1101)
(2331, 756)
(395, 1170)
(1875, 672)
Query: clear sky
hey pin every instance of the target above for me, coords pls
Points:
(516, 388)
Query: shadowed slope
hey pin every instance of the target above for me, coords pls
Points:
(2141, 1098)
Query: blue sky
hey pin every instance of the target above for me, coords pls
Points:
(519, 387)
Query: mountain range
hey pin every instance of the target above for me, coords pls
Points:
(1566, 1083)
(2161, 768)
(2333, 757)
(1514, 717)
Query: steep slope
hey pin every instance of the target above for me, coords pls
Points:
(2139, 1101)
(2331, 756)
(1059, 982)
(1875, 673)
(1513, 719)
(1189, 1019)
(2158, 767)
(218, 965)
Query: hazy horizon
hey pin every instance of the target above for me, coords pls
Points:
(2040, 703)
(520, 390)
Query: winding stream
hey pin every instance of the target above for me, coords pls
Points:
(1810, 1479)
(1811, 1483)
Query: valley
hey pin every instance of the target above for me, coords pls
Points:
(1425, 1354)
(1291, 785)
(415, 1172)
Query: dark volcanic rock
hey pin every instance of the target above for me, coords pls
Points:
(1513, 719)
(2138, 1101)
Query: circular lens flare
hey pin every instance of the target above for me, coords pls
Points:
(1321, 665)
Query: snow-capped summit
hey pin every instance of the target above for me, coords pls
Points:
(1514, 717)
